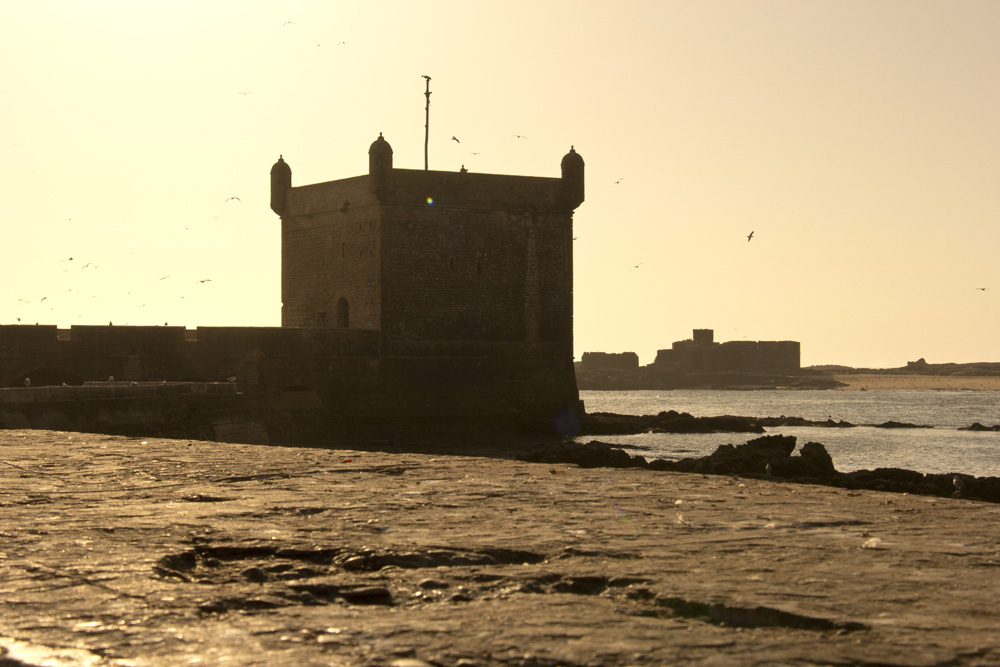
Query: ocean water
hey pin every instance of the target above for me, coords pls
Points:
(940, 449)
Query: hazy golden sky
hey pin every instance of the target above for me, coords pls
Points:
(858, 140)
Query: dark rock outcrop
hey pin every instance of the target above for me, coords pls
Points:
(670, 421)
(976, 426)
(590, 455)
(770, 457)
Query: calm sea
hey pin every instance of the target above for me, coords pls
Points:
(941, 449)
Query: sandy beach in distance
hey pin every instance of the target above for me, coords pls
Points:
(920, 382)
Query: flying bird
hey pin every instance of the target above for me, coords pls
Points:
(455, 139)
(519, 136)
(236, 198)
(619, 180)
(286, 23)
(244, 93)
(475, 153)
(206, 280)
(981, 289)
(749, 236)
(638, 265)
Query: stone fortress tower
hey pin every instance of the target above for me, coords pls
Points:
(466, 279)
(410, 299)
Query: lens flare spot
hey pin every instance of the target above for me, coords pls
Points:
(430, 201)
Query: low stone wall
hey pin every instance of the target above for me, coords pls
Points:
(209, 411)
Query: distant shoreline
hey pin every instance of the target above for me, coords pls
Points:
(875, 382)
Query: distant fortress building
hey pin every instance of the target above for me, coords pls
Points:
(408, 296)
(701, 354)
(698, 361)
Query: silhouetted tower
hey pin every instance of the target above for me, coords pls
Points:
(281, 180)
(572, 178)
(703, 337)
(380, 166)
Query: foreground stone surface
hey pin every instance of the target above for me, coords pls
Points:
(131, 551)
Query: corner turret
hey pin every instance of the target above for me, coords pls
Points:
(572, 179)
(281, 180)
(380, 166)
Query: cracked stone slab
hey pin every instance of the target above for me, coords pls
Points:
(125, 551)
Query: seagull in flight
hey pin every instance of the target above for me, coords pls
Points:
(619, 180)
(981, 289)
(637, 265)
(286, 23)
(749, 236)
(236, 198)
(519, 136)
(206, 280)
(475, 153)
(455, 139)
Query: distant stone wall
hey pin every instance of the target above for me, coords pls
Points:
(731, 357)
(609, 361)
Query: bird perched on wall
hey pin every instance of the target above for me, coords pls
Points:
(749, 236)
(27, 383)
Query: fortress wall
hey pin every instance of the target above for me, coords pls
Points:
(780, 356)
(317, 198)
(470, 274)
(155, 354)
(182, 410)
(23, 337)
(488, 191)
(330, 250)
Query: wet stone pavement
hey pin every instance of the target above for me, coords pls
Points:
(142, 551)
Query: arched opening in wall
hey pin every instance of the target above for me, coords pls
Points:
(343, 314)
(49, 377)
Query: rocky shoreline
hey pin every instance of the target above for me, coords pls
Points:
(765, 457)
